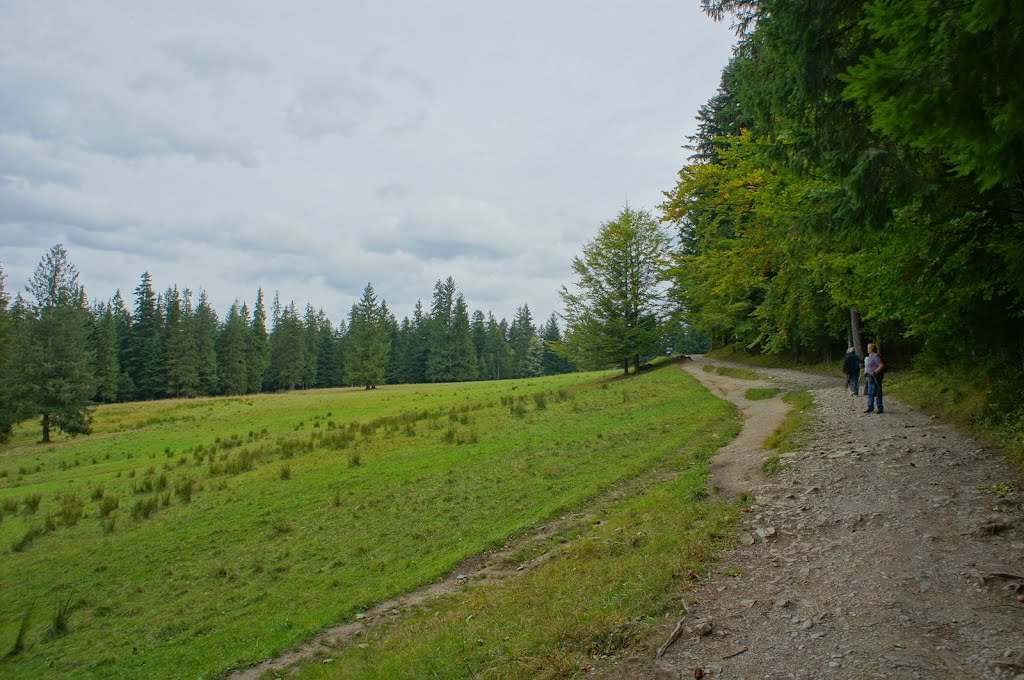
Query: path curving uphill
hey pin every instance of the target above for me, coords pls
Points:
(881, 550)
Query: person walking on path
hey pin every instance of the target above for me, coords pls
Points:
(874, 369)
(851, 367)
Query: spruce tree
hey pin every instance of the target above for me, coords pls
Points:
(53, 362)
(259, 345)
(463, 350)
(205, 326)
(519, 335)
(232, 349)
(146, 360)
(105, 352)
(369, 342)
(181, 355)
(440, 352)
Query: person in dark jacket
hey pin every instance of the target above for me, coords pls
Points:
(851, 367)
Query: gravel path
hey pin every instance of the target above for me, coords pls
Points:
(880, 550)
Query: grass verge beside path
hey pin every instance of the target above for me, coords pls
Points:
(730, 353)
(181, 549)
(601, 594)
(760, 393)
(731, 372)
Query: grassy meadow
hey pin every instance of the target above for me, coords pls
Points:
(185, 538)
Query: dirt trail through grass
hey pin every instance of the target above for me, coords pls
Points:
(888, 546)
(737, 466)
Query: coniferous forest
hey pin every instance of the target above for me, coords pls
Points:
(61, 353)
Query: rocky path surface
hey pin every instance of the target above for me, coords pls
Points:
(880, 550)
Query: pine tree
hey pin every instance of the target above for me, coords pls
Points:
(204, 326)
(478, 329)
(497, 357)
(53, 363)
(311, 326)
(440, 352)
(123, 324)
(463, 351)
(287, 350)
(181, 355)
(519, 335)
(232, 348)
(146, 350)
(105, 351)
(554, 363)
(369, 342)
(259, 346)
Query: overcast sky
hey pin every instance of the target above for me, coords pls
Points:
(310, 147)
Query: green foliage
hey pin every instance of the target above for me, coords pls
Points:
(793, 431)
(616, 312)
(369, 341)
(759, 393)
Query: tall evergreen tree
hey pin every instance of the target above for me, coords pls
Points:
(125, 346)
(181, 355)
(519, 335)
(554, 363)
(497, 357)
(259, 346)
(146, 361)
(232, 349)
(369, 342)
(107, 368)
(440, 351)
(205, 327)
(463, 350)
(287, 350)
(54, 376)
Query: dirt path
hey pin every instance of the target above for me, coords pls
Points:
(880, 550)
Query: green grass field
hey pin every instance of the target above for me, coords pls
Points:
(185, 538)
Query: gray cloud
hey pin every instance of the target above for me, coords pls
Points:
(217, 57)
(312, 148)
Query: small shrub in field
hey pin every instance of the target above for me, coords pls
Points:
(50, 523)
(31, 503)
(10, 505)
(131, 474)
(108, 505)
(519, 410)
(282, 527)
(97, 493)
(562, 395)
(61, 618)
(161, 482)
(71, 507)
(410, 430)
(286, 472)
(166, 499)
(354, 459)
(337, 499)
(26, 539)
(541, 400)
(449, 436)
(183, 489)
(109, 524)
(144, 507)
(4, 473)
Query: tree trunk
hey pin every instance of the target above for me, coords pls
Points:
(625, 366)
(46, 428)
(856, 342)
